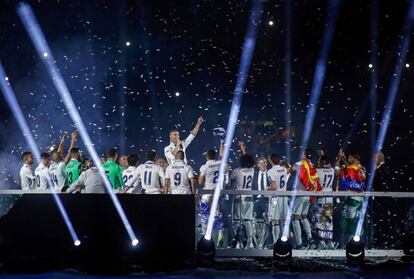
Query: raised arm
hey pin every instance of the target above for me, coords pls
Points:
(62, 143)
(196, 128)
(73, 138)
(243, 148)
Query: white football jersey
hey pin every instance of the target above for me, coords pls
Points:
(243, 178)
(27, 178)
(279, 175)
(326, 178)
(41, 174)
(210, 170)
(150, 176)
(130, 178)
(179, 174)
(57, 175)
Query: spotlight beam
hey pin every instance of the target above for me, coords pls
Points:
(288, 56)
(318, 80)
(36, 35)
(392, 96)
(10, 97)
(245, 60)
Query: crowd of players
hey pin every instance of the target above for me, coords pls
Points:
(249, 219)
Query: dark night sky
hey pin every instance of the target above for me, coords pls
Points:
(194, 47)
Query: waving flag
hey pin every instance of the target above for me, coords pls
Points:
(308, 176)
(352, 178)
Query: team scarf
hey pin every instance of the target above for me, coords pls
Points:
(352, 178)
(308, 176)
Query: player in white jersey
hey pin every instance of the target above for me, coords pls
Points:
(57, 171)
(26, 174)
(243, 205)
(278, 206)
(130, 175)
(42, 172)
(179, 177)
(176, 144)
(150, 174)
(324, 218)
(209, 176)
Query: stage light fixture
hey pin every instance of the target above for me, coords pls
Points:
(45, 54)
(6, 78)
(355, 252)
(282, 250)
(77, 242)
(370, 66)
(206, 251)
(135, 242)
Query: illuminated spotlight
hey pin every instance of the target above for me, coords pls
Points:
(45, 54)
(135, 242)
(128, 43)
(24, 127)
(355, 252)
(6, 78)
(245, 60)
(404, 46)
(177, 94)
(370, 66)
(317, 84)
(282, 252)
(52, 148)
(206, 251)
(77, 242)
(407, 65)
(271, 22)
(39, 41)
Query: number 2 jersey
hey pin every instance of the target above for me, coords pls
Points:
(179, 174)
(210, 170)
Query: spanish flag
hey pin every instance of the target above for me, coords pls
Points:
(308, 176)
(352, 178)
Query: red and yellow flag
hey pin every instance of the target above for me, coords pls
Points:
(308, 176)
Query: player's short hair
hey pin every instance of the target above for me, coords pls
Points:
(74, 151)
(355, 154)
(180, 155)
(151, 155)
(308, 153)
(45, 155)
(133, 160)
(25, 155)
(211, 154)
(173, 130)
(246, 161)
(275, 158)
(112, 152)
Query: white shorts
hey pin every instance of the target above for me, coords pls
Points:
(301, 206)
(243, 208)
(278, 207)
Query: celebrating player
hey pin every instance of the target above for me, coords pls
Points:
(278, 205)
(90, 180)
(27, 177)
(308, 181)
(130, 175)
(42, 172)
(57, 166)
(176, 144)
(179, 176)
(150, 174)
(243, 205)
(113, 170)
(352, 178)
(324, 218)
